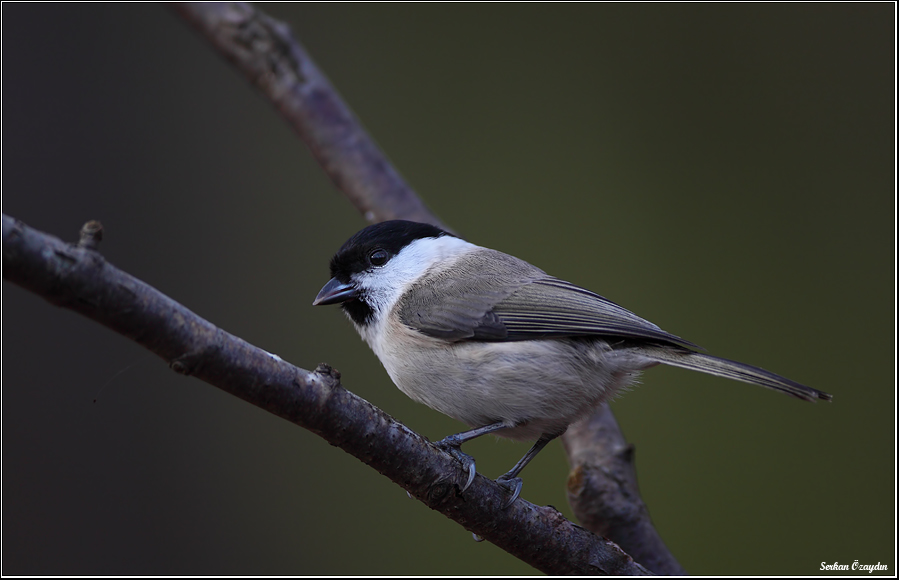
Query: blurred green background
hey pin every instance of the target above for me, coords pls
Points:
(725, 171)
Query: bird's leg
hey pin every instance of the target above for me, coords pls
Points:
(510, 480)
(453, 446)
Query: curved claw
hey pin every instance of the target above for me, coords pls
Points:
(452, 447)
(467, 465)
(513, 484)
(471, 472)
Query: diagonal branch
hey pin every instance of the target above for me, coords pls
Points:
(265, 51)
(78, 278)
(602, 491)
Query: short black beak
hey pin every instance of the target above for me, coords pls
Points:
(335, 292)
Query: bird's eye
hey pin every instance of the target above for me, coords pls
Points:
(378, 257)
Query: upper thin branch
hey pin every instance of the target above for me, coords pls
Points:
(603, 492)
(270, 56)
(266, 52)
(78, 278)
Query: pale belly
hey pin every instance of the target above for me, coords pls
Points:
(537, 387)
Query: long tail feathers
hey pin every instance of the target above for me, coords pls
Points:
(733, 370)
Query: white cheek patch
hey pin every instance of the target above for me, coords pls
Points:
(384, 286)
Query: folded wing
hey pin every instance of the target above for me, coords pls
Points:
(497, 297)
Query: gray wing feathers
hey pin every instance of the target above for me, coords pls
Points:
(489, 295)
(550, 306)
(462, 309)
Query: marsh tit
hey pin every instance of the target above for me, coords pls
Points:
(497, 343)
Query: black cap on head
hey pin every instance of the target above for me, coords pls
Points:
(383, 240)
(391, 236)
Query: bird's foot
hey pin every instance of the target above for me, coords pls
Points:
(513, 485)
(452, 446)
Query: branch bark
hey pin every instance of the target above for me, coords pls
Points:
(78, 278)
(603, 492)
(269, 55)
(266, 52)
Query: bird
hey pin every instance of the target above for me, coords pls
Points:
(497, 343)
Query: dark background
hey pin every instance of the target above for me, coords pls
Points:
(725, 171)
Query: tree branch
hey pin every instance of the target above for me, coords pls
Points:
(266, 52)
(603, 492)
(78, 278)
(269, 55)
